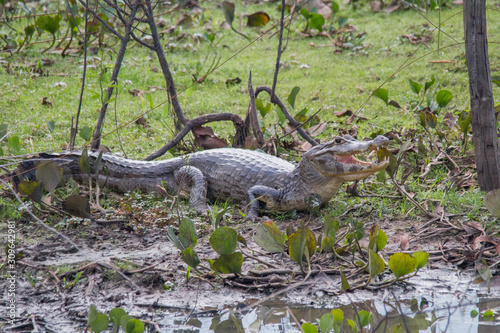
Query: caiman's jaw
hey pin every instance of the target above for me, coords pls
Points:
(337, 158)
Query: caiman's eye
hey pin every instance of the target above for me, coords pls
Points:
(339, 140)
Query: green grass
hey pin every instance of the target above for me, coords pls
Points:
(327, 80)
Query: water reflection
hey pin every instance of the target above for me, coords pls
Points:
(416, 315)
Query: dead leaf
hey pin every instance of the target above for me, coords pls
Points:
(142, 121)
(137, 93)
(232, 82)
(317, 129)
(205, 138)
(403, 245)
(484, 238)
(442, 62)
(450, 120)
(305, 146)
(345, 113)
(46, 102)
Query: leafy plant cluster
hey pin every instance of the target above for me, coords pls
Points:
(98, 322)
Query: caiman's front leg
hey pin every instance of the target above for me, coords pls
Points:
(190, 179)
(257, 193)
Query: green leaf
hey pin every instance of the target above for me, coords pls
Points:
(224, 240)
(309, 328)
(134, 326)
(316, 21)
(464, 121)
(488, 315)
(281, 117)
(124, 321)
(429, 84)
(263, 110)
(301, 243)
(443, 97)
(49, 174)
(402, 264)
(326, 322)
(383, 94)
(115, 315)
(51, 125)
(228, 10)
(377, 239)
(97, 162)
(33, 190)
(474, 314)
(187, 233)
(305, 13)
(97, 321)
(85, 161)
(338, 316)
(190, 257)
(14, 145)
(77, 205)
(427, 118)
(292, 96)
(49, 23)
(258, 19)
(328, 244)
(229, 263)
(364, 318)
(29, 30)
(268, 237)
(331, 225)
(376, 264)
(352, 325)
(173, 238)
(421, 257)
(485, 273)
(415, 86)
(335, 7)
(344, 283)
(86, 133)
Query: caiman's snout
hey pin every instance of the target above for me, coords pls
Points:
(379, 141)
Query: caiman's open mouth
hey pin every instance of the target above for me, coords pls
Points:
(351, 158)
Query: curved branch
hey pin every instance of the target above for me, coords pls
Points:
(288, 116)
(238, 124)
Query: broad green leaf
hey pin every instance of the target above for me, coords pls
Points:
(377, 238)
(98, 322)
(115, 315)
(415, 86)
(338, 316)
(305, 13)
(224, 240)
(134, 326)
(49, 23)
(230, 263)
(74, 22)
(352, 325)
(402, 264)
(376, 264)
(269, 237)
(427, 118)
(316, 21)
(383, 94)
(49, 174)
(443, 97)
(364, 318)
(492, 202)
(328, 244)
(97, 162)
(421, 257)
(382, 154)
(474, 314)
(31, 189)
(488, 315)
(344, 283)
(187, 233)
(86, 133)
(298, 242)
(173, 238)
(309, 328)
(263, 110)
(292, 96)
(77, 205)
(281, 117)
(14, 145)
(51, 125)
(258, 19)
(228, 10)
(326, 322)
(124, 321)
(464, 121)
(331, 225)
(85, 161)
(335, 7)
(190, 257)
(430, 83)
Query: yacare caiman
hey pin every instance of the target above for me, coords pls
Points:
(257, 180)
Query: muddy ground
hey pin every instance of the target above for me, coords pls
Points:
(138, 269)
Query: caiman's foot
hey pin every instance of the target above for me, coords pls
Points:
(252, 216)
